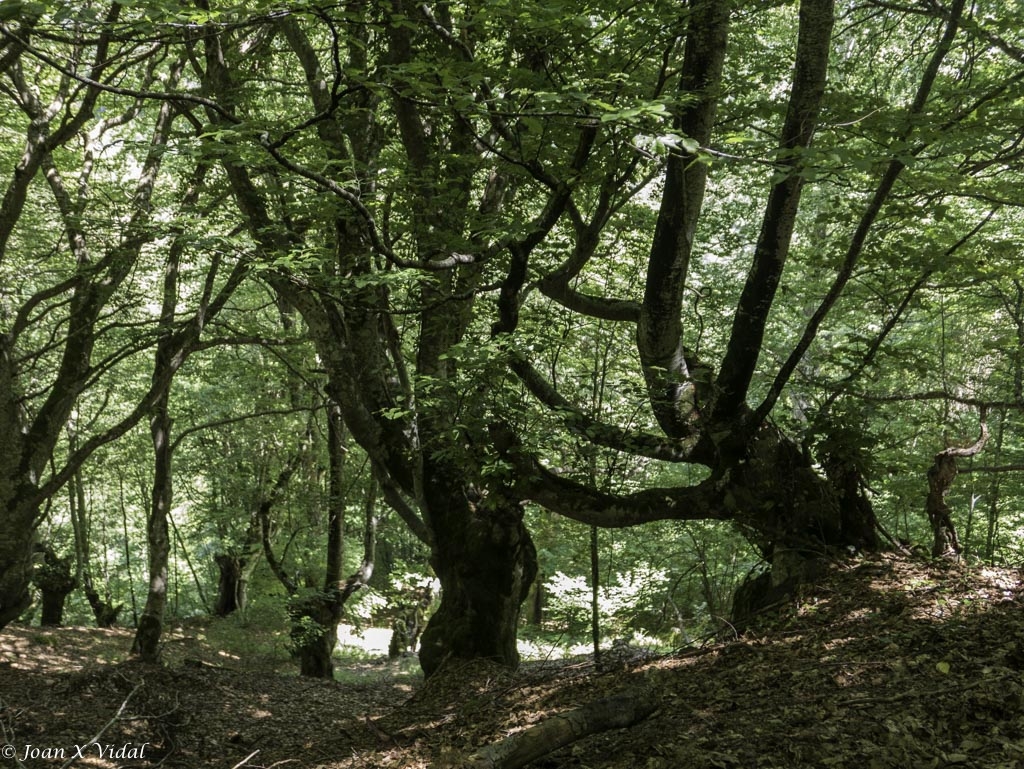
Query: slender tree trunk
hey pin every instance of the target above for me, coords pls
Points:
(147, 637)
(127, 550)
(315, 618)
(595, 593)
(104, 612)
(537, 601)
(993, 496)
(325, 609)
(179, 541)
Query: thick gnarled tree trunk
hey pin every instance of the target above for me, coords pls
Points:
(234, 568)
(55, 580)
(16, 550)
(486, 562)
(16, 516)
(946, 542)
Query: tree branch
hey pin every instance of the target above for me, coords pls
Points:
(867, 221)
(810, 71)
(610, 436)
(615, 712)
(659, 330)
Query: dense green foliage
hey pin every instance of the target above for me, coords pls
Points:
(705, 275)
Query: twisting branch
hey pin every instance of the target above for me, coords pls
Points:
(603, 434)
(618, 711)
(108, 88)
(352, 198)
(890, 324)
(940, 477)
(580, 502)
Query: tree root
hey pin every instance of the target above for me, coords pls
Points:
(614, 712)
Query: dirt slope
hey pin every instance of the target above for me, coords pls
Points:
(889, 663)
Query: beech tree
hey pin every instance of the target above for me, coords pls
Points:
(465, 180)
(750, 199)
(74, 264)
(717, 410)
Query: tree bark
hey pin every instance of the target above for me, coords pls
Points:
(104, 612)
(158, 537)
(16, 549)
(485, 559)
(814, 44)
(147, 636)
(941, 474)
(231, 583)
(30, 440)
(234, 566)
(659, 328)
(55, 581)
(314, 632)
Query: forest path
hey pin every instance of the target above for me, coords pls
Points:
(889, 662)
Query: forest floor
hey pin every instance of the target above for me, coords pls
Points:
(889, 662)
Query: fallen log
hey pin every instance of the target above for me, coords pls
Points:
(615, 712)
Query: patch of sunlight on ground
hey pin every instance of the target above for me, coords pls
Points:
(374, 642)
(539, 650)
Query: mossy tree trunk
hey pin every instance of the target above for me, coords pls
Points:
(485, 560)
(314, 632)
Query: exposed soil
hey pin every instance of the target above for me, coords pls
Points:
(888, 663)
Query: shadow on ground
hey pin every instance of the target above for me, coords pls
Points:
(888, 663)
